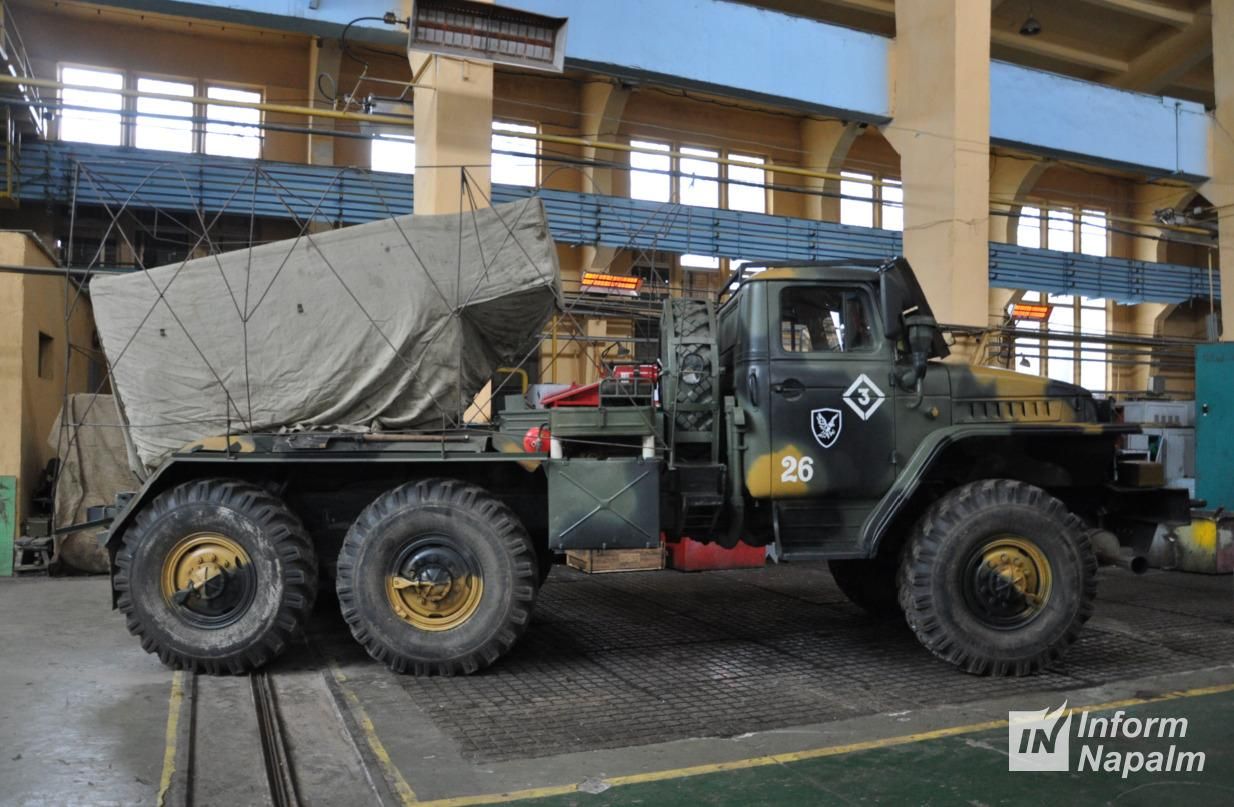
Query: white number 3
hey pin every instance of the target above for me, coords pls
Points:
(797, 469)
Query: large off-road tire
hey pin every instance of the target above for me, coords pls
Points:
(688, 343)
(869, 584)
(998, 578)
(437, 577)
(216, 576)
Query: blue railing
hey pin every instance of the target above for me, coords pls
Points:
(138, 178)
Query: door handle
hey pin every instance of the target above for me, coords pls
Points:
(752, 386)
(791, 388)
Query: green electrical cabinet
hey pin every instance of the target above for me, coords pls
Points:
(1214, 425)
(8, 523)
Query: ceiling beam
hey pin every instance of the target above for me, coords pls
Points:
(1149, 10)
(886, 8)
(1169, 59)
(1063, 53)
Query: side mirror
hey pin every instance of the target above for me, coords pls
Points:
(922, 329)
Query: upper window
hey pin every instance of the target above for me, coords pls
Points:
(165, 114)
(866, 201)
(816, 319)
(747, 184)
(163, 123)
(1091, 237)
(93, 115)
(698, 185)
(857, 199)
(394, 153)
(232, 131)
(650, 173)
(514, 157)
(891, 206)
(1081, 357)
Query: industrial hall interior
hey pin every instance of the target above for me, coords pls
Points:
(615, 402)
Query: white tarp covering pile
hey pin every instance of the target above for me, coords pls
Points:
(394, 324)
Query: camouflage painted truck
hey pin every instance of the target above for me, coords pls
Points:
(808, 408)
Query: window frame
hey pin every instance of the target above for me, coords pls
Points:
(198, 121)
(195, 119)
(392, 138)
(204, 86)
(121, 112)
(1043, 344)
(877, 341)
(494, 132)
(877, 182)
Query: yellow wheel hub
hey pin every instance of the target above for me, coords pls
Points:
(1010, 581)
(198, 559)
(434, 587)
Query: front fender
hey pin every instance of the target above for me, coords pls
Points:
(931, 450)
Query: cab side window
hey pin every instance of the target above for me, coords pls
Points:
(817, 319)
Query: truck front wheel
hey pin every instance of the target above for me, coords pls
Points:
(998, 579)
(437, 577)
(216, 576)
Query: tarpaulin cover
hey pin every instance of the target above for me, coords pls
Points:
(393, 324)
(94, 467)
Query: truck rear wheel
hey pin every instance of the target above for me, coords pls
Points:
(437, 577)
(216, 576)
(999, 578)
(868, 584)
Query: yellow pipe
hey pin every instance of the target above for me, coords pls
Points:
(566, 140)
(518, 371)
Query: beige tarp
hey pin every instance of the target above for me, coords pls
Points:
(394, 324)
(94, 467)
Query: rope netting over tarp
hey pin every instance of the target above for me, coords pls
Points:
(394, 324)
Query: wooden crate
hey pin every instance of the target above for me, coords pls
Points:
(599, 561)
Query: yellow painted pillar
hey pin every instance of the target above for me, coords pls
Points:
(603, 104)
(1220, 189)
(826, 144)
(454, 130)
(453, 105)
(941, 128)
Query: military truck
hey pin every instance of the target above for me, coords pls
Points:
(807, 408)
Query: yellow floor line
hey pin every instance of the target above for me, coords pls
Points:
(393, 775)
(799, 756)
(172, 733)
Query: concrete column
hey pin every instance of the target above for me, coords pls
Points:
(1220, 189)
(603, 104)
(325, 56)
(454, 128)
(941, 129)
(826, 144)
(453, 105)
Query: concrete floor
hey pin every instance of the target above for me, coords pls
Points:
(735, 687)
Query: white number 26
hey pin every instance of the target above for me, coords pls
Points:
(797, 469)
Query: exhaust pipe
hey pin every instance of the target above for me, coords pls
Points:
(1110, 552)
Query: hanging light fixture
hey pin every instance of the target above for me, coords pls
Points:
(1031, 26)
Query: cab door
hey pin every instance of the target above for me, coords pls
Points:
(831, 402)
